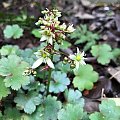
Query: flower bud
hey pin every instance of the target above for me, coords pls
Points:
(59, 41)
(64, 62)
(66, 59)
(72, 66)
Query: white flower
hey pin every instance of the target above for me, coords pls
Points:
(47, 35)
(70, 28)
(48, 38)
(43, 57)
(63, 26)
(78, 58)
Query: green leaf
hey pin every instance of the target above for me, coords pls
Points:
(88, 45)
(96, 116)
(8, 31)
(35, 86)
(63, 67)
(28, 56)
(65, 45)
(83, 35)
(74, 97)
(103, 53)
(12, 68)
(26, 117)
(4, 91)
(13, 31)
(116, 53)
(46, 111)
(11, 114)
(28, 102)
(1, 116)
(71, 112)
(85, 116)
(52, 106)
(56, 57)
(85, 77)
(109, 109)
(36, 33)
(60, 82)
(9, 50)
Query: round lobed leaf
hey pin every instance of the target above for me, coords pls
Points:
(48, 110)
(103, 53)
(85, 77)
(74, 97)
(109, 109)
(12, 68)
(28, 102)
(71, 112)
(60, 82)
(13, 31)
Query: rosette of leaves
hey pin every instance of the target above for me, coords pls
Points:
(28, 102)
(9, 50)
(71, 112)
(83, 35)
(85, 77)
(59, 83)
(103, 53)
(12, 69)
(108, 111)
(13, 31)
(48, 110)
(74, 97)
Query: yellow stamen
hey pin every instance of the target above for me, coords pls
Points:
(78, 57)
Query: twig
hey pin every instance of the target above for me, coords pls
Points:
(114, 75)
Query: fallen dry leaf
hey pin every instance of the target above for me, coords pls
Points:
(117, 20)
(87, 3)
(115, 72)
(84, 15)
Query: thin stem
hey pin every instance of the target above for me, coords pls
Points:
(49, 77)
(48, 85)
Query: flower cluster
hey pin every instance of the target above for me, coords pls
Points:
(54, 32)
(51, 29)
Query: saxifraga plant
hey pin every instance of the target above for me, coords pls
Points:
(53, 33)
(31, 95)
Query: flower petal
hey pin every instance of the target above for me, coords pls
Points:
(37, 63)
(72, 56)
(50, 40)
(77, 64)
(70, 28)
(78, 51)
(82, 62)
(83, 53)
(43, 38)
(50, 63)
